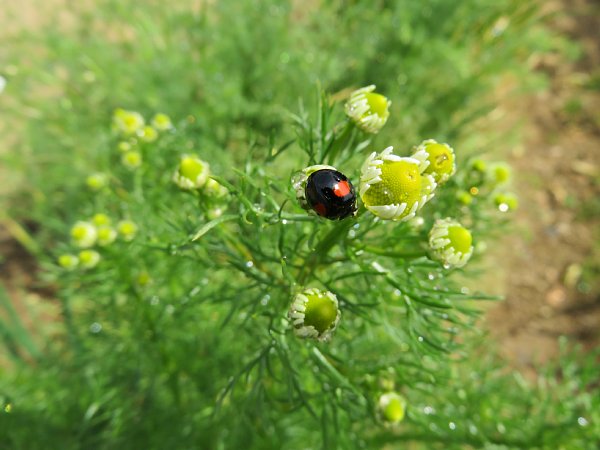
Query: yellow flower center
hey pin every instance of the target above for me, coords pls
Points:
(190, 168)
(460, 239)
(441, 160)
(394, 411)
(377, 103)
(79, 232)
(320, 312)
(400, 183)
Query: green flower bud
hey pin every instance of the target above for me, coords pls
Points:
(68, 262)
(89, 258)
(128, 122)
(315, 314)
(450, 243)
(391, 408)
(192, 173)
(369, 111)
(84, 234)
(162, 122)
(127, 229)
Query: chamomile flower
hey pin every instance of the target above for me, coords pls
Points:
(96, 181)
(100, 219)
(132, 159)
(192, 173)
(128, 122)
(162, 122)
(394, 187)
(500, 173)
(391, 408)
(68, 262)
(506, 202)
(436, 160)
(147, 134)
(84, 234)
(450, 243)
(106, 235)
(314, 314)
(127, 230)
(88, 259)
(215, 189)
(368, 110)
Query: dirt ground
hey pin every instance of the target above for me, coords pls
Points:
(542, 265)
(546, 265)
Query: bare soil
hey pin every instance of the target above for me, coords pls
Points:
(548, 265)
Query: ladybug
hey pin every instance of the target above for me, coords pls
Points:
(330, 194)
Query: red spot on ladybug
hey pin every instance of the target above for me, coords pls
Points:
(341, 189)
(330, 194)
(320, 209)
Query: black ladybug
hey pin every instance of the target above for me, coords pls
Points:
(330, 194)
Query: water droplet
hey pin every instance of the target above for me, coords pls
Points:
(428, 410)
(284, 222)
(472, 429)
(95, 327)
(582, 421)
(170, 309)
(397, 292)
(265, 300)
(410, 270)
(357, 226)
(431, 276)
(351, 234)
(503, 207)
(420, 339)
(501, 428)
(452, 426)
(249, 264)
(464, 290)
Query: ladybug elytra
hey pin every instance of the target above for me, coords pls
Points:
(330, 194)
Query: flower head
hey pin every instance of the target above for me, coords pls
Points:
(89, 258)
(106, 235)
(315, 314)
(215, 189)
(132, 159)
(500, 173)
(393, 187)
(147, 134)
(100, 219)
(369, 111)
(450, 243)
(192, 172)
(84, 234)
(68, 262)
(128, 122)
(127, 229)
(96, 181)
(162, 122)
(436, 159)
(506, 202)
(391, 408)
